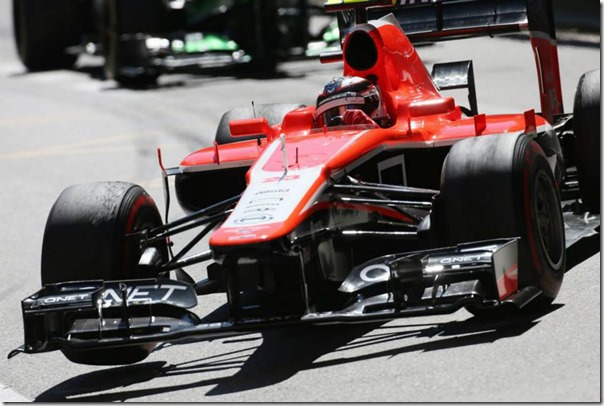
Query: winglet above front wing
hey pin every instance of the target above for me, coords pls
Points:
(493, 263)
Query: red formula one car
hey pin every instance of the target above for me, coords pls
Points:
(384, 200)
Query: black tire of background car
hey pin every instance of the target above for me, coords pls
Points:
(587, 124)
(85, 239)
(498, 186)
(44, 29)
(274, 113)
(126, 17)
(256, 30)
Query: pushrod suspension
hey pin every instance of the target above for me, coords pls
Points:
(198, 214)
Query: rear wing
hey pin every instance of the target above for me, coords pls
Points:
(428, 21)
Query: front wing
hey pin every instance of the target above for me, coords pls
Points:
(103, 314)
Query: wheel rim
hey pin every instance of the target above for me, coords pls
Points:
(144, 218)
(549, 222)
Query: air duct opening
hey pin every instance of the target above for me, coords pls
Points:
(361, 52)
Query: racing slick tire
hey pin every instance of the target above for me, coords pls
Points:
(85, 239)
(124, 40)
(501, 186)
(274, 113)
(587, 115)
(255, 27)
(44, 29)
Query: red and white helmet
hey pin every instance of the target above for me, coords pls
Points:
(345, 93)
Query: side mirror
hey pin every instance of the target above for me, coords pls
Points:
(251, 127)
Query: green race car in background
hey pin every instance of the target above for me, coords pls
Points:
(141, 39)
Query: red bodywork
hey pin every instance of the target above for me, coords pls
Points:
(421, 118)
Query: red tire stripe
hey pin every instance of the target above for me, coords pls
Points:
(528, 215)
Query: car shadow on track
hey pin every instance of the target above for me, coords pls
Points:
(281, 356)
(196, 79)
(286, 352)
(192, 79)
(582, 250)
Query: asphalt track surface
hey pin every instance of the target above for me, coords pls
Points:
(65, 127)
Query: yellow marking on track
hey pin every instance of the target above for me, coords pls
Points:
(44, 119)
(151, 149)
(84, 147)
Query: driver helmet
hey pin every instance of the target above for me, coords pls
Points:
(345, 93)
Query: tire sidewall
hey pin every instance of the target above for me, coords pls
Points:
(530, 168)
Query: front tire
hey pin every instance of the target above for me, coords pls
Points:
(501, 186)
(126, 26)
(587, 116)
(86, 239)
(44, 29)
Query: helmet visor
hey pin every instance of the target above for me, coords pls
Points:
(331, 111)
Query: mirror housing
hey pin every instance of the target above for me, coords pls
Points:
(251, 127)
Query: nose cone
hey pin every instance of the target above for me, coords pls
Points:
(277, 200)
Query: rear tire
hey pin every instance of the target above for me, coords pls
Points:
(85, 239)
(274, 113)
(587, 118)
(500, 187)
(44, 29)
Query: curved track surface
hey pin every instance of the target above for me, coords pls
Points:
(65, 127)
